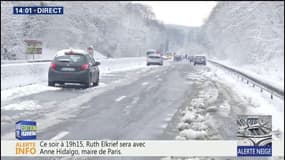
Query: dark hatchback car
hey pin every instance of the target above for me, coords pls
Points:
(74, 66)
(200, 60)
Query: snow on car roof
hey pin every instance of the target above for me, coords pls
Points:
(62, 52)
(151, 50)
(154, 55)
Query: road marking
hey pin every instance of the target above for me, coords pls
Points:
(135, 100)
(168, 119)
(145, 83)
(60, 135)
(170, 114)
(120, 98)
(163, 126)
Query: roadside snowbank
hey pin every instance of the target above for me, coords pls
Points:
(275, 78)
(262, 103)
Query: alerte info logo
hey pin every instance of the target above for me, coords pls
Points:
(254, 136)
(26, 130)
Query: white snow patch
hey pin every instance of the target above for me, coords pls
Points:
(25, 105)
(192, 117)
(182, 126)
(167, 119)
(180, 138)
(197, 102)
(199, 126)
(17, 92)
(145, 83)
(225, 108)
(212, 109)
(210, 95)
(120, 98)
(163, 126)
(193, 134)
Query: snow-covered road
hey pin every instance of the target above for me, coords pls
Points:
(149, 103)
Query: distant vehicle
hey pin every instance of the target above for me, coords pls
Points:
(151, 51)
(73, 66)
(154, 59)
(169, 55)
(200, 60)
(191, 58)
(177, 58)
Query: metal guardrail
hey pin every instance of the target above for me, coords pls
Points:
(255, 82)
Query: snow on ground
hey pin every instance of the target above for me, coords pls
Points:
(16, 92)
(194, 121)
(262, 102)
(15, 75)
(25, 105)
(197, 122)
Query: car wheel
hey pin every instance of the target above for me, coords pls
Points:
(88, 83)
(97, 81)
(52, 84)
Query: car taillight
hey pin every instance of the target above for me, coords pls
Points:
(53, 65)
(84, 66)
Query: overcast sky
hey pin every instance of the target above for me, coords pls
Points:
(191, 13)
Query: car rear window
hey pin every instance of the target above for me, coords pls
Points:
(201, 57)
(74, 58)
(150, 52)
(154, 57)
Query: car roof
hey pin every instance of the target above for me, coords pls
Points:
(151, 50)
(155, 55)
(63, 51)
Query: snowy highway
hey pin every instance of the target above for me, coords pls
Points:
(134, 71)
(148, 103)
(175, 101)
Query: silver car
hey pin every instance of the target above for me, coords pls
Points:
(154, 59)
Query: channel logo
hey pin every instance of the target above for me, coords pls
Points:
(254, 136)
(26, 130)
(48, 10)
